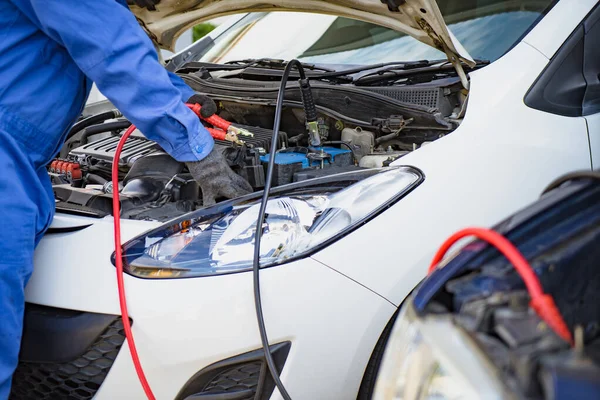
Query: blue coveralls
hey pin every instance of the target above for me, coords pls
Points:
(50, 52)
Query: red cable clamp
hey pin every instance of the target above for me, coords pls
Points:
(225, 130)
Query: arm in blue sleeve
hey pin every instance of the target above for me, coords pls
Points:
(184, 89)
(108, 45)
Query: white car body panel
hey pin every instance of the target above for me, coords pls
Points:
(81, 262)
(593, 123)
(557, 25)
(222, 324)
(334, 305)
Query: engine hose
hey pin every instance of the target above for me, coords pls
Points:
(385, 138)
(259, 227)
(93, 120)
(101, 128)
(97, 179)
(543, 304)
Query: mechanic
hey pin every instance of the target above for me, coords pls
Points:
(50, 53)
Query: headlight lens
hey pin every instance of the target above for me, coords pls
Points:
(430, 359)
(222, 241)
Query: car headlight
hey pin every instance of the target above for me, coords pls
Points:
(429, 358)
(299, 219)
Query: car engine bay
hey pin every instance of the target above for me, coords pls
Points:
(359, 127)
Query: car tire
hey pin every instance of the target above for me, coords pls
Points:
(367, 386)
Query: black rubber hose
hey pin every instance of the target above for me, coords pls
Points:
(100, 128)
(571, 176)
(259, 227)
(93, 120)
(93, 178)
(385, 138)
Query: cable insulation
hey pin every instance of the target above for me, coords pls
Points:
(119, 264)
(259, 227)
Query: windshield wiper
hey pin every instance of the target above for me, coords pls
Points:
(273, 63)
(395, 73)
(399, 65)
(264, 68)
(389, 71)
(327, 72)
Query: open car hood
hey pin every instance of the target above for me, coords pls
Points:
(420, 19)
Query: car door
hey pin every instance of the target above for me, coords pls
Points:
(591, 103)
(570, 85)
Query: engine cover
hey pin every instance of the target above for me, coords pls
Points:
(104, 149)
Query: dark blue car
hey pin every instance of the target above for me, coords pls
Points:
(468, 331)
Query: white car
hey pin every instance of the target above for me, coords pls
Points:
(439, 140)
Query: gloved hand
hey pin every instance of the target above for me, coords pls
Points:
(216, 179)
(149, 4)
(208, 105)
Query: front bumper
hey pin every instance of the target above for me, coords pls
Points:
(184, 326)
(65, 354)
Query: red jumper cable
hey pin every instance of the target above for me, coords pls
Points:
(542, 303)
(225, 131)
(119, 264)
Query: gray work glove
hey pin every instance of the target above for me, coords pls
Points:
(216, 179)
(208, 105)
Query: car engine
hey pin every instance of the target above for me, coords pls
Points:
(359, 128)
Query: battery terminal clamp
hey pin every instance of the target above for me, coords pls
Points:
(223, 129)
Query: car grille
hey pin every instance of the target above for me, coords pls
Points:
(427, 97)
(78, 379)
(237, 379)
(242, 377)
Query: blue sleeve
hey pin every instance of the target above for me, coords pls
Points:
(184, 89)
(108, 45)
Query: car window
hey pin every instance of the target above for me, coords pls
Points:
(486, 28)
(570, 84)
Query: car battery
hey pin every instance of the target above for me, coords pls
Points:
(290, 161)
(313, 173)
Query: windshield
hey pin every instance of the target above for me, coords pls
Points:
(486, 28)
